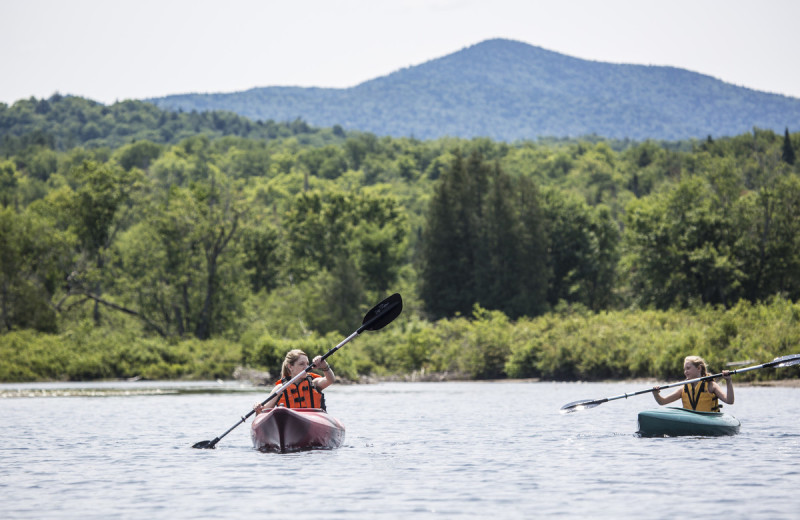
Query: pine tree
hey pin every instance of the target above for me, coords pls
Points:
(497, 251)
(533, 270)
(788, 151)
(449, 242)
(484, 243)
(513, 273)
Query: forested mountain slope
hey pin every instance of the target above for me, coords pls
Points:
(509, 90)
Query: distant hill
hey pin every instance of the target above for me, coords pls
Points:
(509, 90)
(66, 122)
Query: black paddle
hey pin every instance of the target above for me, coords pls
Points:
(785, 361)
(377, 318)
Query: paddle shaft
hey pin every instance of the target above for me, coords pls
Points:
(649, 390)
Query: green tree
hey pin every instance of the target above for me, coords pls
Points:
(769, 241)
(680, 247)
(512, 270)
(323, 228)
(378, 241)
(337, 298)
(34, 255)
(583, 251)
(450, 240)
(485, 243)
(263, 255)
(140, 154)
(8, 183)
(328, 162)
(178, 270)
(788, 155)
(92, 212)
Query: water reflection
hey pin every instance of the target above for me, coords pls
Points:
(427, 450)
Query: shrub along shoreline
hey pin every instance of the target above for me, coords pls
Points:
(570, 344)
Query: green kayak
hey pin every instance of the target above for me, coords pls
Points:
(680, 421)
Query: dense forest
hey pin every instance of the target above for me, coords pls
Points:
(509, 91)
(142, 243)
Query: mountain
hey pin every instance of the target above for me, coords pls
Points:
(509, 90)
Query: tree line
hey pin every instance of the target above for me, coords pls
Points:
(260, 241)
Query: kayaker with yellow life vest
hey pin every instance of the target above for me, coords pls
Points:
(306, 392)
(703, 396)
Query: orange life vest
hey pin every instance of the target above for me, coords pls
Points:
(301, 394)
(697, 397)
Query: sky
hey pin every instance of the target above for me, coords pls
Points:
(112, 50)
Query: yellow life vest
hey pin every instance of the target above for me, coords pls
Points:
(302, 394)
(697, 397)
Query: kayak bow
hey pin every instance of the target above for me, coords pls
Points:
(286, 430)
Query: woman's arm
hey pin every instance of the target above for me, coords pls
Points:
(726, 396)
(268, 405)
(330, 377)
(662, 400)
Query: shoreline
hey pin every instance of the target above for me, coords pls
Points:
(408, 378)
(153, 387)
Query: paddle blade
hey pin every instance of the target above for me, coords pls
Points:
(787, 361)
(205, 445)
(383, 313)
(577, 406)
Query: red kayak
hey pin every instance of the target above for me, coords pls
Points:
(284, 430)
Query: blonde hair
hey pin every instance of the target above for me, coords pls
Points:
(291, 358)
(699, 363)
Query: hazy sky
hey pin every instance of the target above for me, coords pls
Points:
(109, 50)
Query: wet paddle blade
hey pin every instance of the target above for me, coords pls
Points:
(204, 445)
(383, 313)
(577, 406)
(787, 361)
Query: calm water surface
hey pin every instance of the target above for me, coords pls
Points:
(418, 450)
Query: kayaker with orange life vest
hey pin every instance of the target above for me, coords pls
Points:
(703, 396)
(306, 392)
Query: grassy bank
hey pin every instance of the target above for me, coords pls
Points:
(570, 344)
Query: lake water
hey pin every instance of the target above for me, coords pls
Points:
(412, 450)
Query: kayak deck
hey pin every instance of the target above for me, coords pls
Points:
(673, 422)
(286, 430)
